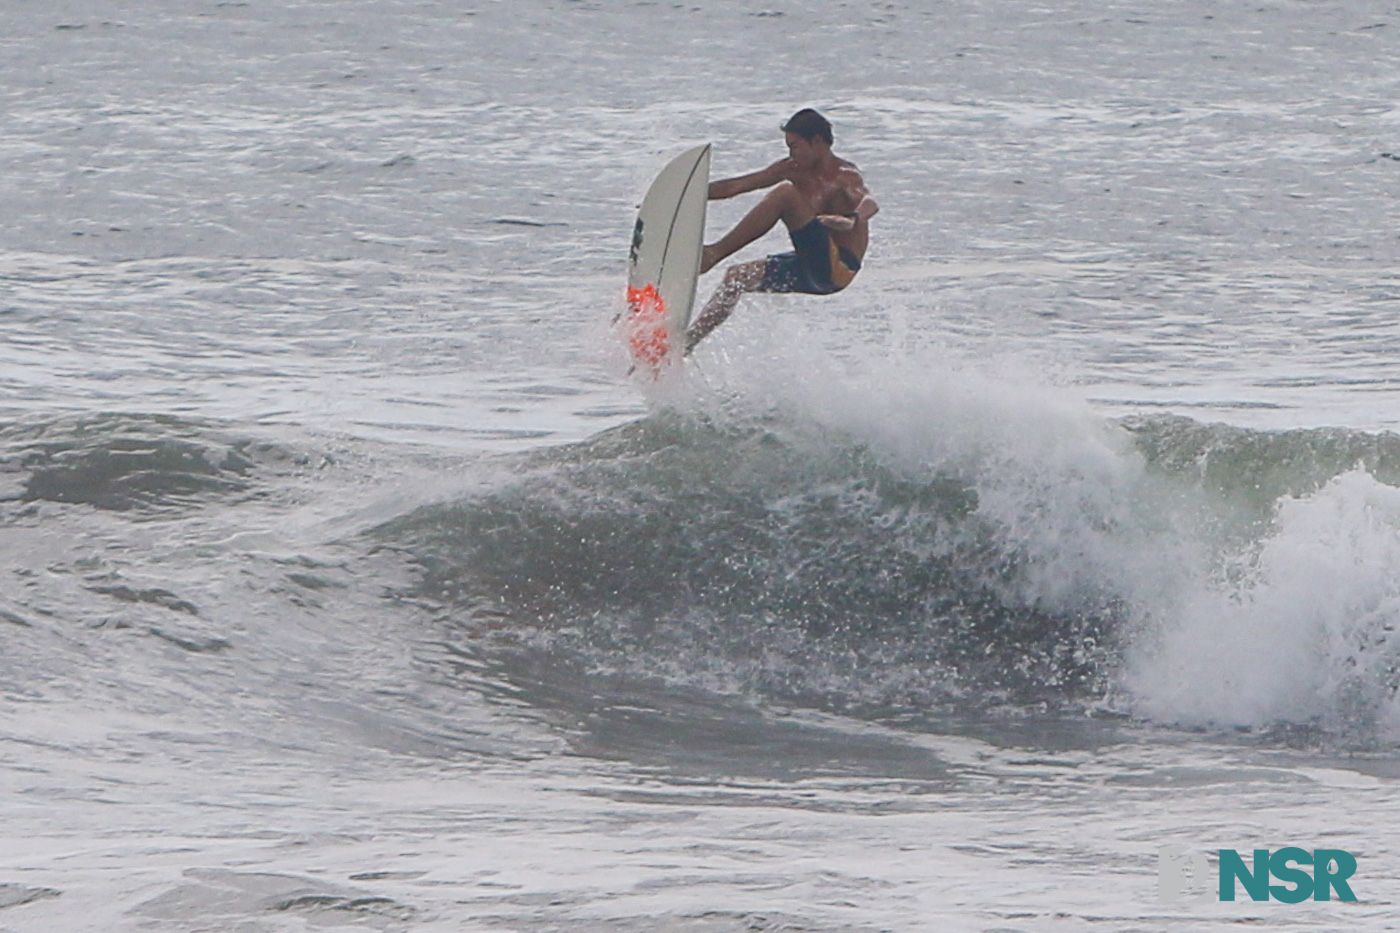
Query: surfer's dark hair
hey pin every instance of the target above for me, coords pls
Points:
(809, 124)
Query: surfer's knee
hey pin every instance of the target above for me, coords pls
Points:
(780, 202)
(783, 191)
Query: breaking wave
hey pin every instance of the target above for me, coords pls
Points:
(914, 543)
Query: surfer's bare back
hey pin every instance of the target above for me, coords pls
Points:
(823, 202)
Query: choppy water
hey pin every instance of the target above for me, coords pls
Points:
(347, 583)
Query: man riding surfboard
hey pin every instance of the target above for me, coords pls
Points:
(826, 208)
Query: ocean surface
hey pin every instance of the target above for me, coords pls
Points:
(347, 581)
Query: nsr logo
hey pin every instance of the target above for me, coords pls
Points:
(1185, 875)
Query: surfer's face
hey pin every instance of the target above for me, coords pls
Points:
(802, 151)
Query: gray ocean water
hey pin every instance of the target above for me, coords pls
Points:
(347, 582)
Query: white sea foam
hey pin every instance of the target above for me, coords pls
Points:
(1306, 635)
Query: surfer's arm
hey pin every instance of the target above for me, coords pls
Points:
(859, 195)
(743, 184)
(866, 208)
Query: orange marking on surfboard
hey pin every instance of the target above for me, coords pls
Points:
(647, 333)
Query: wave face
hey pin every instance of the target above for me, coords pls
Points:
(913, 544)
(735, 554)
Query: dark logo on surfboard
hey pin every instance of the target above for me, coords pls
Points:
(636, 241)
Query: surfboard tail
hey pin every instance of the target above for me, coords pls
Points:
(649, 336)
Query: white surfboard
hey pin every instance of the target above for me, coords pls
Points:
(665, 261)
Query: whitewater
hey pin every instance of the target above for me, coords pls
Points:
(348, 581)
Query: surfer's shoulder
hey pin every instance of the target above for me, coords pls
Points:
(848, 177)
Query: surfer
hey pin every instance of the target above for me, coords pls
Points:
(823, 202)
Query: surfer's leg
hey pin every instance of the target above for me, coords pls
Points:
(778, 204)
(738, 279)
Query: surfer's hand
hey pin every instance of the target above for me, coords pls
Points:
(837, 222)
